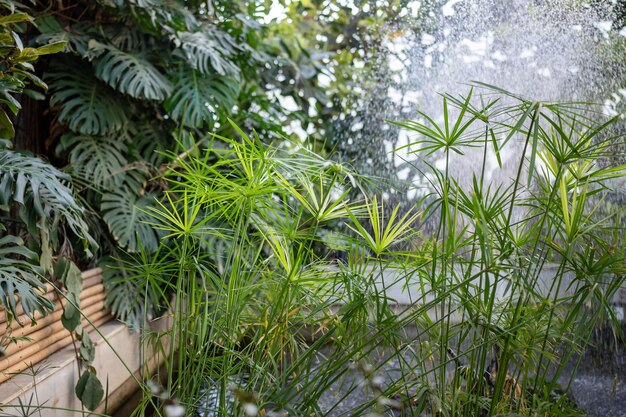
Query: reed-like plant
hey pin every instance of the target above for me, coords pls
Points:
(276, 303)
(531, 259)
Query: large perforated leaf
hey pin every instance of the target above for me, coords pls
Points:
(148, 142)
(199, 99)
(129, 72)
(208, 51)
(98, 160)
(125, 214)
(88, 106)
(21, 174)
(20, 279)
(40, 190)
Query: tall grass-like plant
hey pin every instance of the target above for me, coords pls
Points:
(531, 259)
(243, 223)
(503, 295)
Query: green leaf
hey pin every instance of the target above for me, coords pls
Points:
(20, 279)
(199, 99)
(15, 18)
(87, 105)
(35, 95)
(125, 214)
(98, 161)
(71, 312)
(149, 141)
(54, 31)
(144, 4)
(26, 73)
(21, 174)
(45, 258)
(7, 131)
(18, 41)
(129, 73)
(70, 274)
(8, 87)
(87, 348)
(28, 55)
(89, 390)
(51, 48)
(40, 190)
(208, 51)
(126, 297)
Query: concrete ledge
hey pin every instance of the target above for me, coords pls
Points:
(49, 385)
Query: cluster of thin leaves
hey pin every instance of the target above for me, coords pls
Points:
(481, 318)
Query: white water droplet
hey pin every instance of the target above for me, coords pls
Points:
(604, 26)
(174, 410)
(448, 8)
(428, 39)
(250, 409)
(544, 72)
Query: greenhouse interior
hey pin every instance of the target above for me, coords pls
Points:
(333, 208)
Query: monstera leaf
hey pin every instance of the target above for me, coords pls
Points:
(21, 174)
(88, 106)
(129, 295)
(20, 279)
(145, 3)
(125, 297)
(39, 189)
(148, 141)
(52, 30)
(199, 98)
(129, 73)
(96, 160)
(168, 16)
(125, 213)
(206, 51)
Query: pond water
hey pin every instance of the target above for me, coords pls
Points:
(598, 387)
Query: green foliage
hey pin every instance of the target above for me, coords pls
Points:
(87, 105)
(125, 297)
(230, 202)
(385, 232)
(70, 275)
(199, 100)
(479, 298)
(130, 296)
(89, 390)
(129, 73)
(126, 215)
(17, 69)
(501, 241)
(96, 160)
(21, 174)
(148, 142)
(139, 73)
(204, 50)
(45, 199)
(39, 189)
(21, 277)
(237, 232)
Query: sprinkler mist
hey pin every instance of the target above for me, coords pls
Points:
(542, 50)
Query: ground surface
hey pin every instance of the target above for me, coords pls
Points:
(599, 386)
